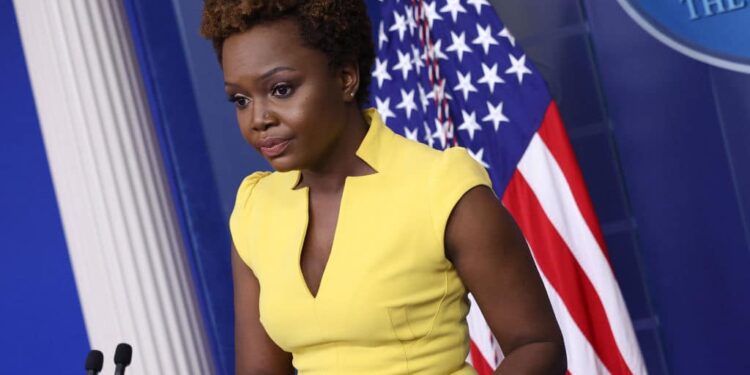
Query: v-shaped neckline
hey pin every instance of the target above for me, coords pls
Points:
(338, 231)
(304, 232)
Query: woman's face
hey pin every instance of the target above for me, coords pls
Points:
(290, 105)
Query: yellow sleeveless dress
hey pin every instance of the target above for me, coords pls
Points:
(389, 301)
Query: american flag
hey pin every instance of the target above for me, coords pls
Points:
(449, 73)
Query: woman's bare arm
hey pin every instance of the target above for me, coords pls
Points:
(493, 261)
(256, 353)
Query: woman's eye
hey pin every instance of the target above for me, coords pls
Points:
(282, 90)
(240, 101)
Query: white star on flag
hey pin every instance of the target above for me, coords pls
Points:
(479, 157)
(381, 72)
(411, 134)
(423, 97)
(435, 51)
(453, 7)
(490, 77)
(382, 36)
(518, 67)
(438, 92)
(417, 59)
(431, 14)
(399, 24)
(505, 33)
(478, 5)
(410, 20)
(459, 45)
(428, 135)
(407, 102)
(464, 84)
(495, 115)
(384, 108)
(484, 38)
(404, 64)
(440, 133)
(470, 123)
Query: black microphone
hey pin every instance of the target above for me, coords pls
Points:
(94, 362)
(123, 355)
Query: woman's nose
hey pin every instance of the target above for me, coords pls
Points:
(262, 118)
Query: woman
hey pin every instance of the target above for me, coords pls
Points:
(356, 254)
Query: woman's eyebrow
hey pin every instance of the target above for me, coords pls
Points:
(276, 70)
(265, 75)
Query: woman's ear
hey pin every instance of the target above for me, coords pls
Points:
(349, 81)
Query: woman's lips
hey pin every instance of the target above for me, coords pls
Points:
(273, 147)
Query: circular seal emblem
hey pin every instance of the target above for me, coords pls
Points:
(716, 32)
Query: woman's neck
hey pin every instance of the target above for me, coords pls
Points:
(341, 160)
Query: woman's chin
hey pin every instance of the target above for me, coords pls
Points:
(280, 165)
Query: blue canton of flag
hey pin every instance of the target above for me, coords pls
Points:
(457, 55)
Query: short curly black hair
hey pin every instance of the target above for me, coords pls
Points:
(338, 28)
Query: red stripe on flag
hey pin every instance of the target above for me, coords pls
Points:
(478, 361)
(552, 132)
(564, 273)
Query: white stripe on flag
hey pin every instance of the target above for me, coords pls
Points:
(582, 359)
(546, 179)
(482, 335)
